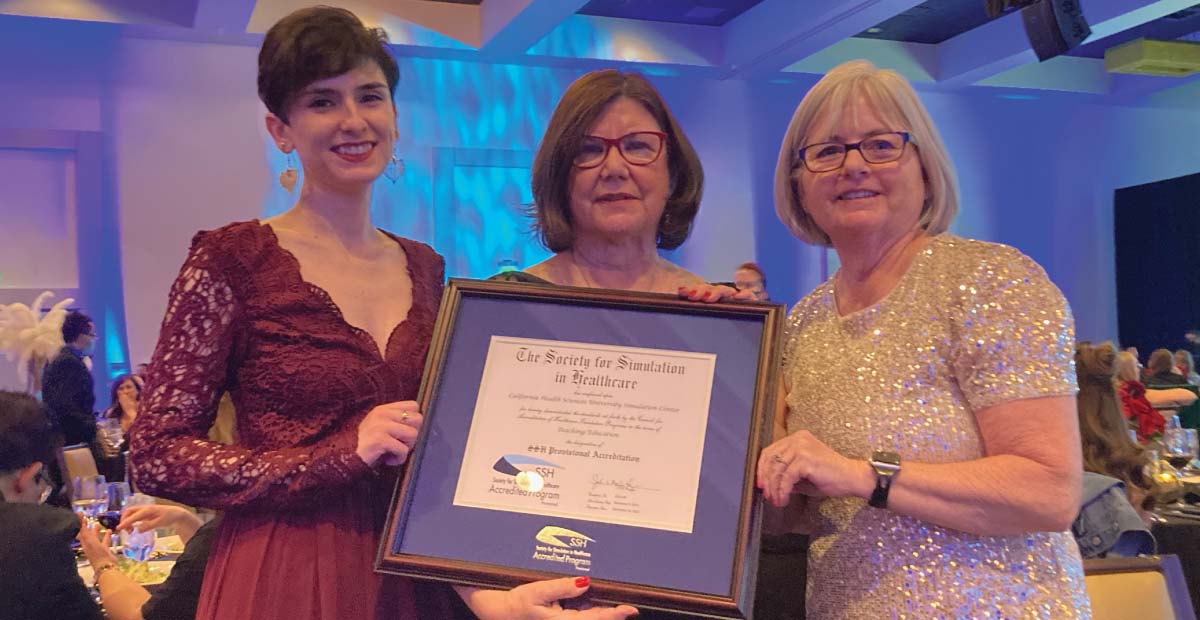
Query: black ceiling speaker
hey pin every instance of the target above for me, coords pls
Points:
(1055, 26)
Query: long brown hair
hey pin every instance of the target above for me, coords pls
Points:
(1107, 448)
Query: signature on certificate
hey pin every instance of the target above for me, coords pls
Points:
(628, 484)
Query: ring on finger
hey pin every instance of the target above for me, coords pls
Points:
(404, 417)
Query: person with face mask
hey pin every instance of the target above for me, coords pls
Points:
(37, 566)
(67, 383)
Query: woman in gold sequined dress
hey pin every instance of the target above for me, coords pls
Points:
(928, 439)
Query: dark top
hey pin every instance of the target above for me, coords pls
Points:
(519, 276)
(67, 388)
(178, 596)
(38, 578)
(1165, 378)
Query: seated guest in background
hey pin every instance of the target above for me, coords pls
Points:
(114, 426)
(125, 394)
(288, 316)
(1104, 434)
(928, 393)
(1185, 364)
(38, 578)
(1108, 525)
(1160, 369)
(1139, 405)
(176, 599)
(750, 277)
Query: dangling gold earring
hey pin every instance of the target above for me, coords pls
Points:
(288, 178)
(394, 169)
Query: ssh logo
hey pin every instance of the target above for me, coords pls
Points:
(562, 537)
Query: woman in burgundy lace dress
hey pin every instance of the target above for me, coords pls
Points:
(317, 325)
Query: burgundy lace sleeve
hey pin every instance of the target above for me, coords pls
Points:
(195, 354)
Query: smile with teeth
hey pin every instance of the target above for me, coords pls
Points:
(359, 148)
(861, 193)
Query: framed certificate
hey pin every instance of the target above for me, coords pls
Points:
(591, 432)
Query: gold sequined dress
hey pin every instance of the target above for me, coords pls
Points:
(970, 325)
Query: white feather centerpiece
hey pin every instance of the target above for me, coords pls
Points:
(31, 338)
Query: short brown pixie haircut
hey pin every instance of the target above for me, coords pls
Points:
(579, 107)
(314, 44)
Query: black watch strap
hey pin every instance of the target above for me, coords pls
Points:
(879, 496)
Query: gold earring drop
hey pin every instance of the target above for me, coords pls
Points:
(288, 178)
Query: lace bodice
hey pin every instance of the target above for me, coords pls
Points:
(240, 318)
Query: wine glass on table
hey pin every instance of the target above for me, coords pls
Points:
(89, 496)
(1188, 448)
(118, 494)
(1179, 447)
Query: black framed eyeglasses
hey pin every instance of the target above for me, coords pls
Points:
(640, 148)
(880, 148)
(43, 479)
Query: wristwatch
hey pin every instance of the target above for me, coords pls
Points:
(886, 466)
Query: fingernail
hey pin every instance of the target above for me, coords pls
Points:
(582, 582)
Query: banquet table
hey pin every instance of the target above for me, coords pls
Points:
(1180, 535)
(166, 550)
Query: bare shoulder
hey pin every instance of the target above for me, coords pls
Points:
(550, 270)
(679, 276)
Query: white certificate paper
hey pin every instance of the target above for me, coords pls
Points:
(584, 431)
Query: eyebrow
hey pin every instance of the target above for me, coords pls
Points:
(874, 132)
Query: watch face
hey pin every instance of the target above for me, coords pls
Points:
(889, 458)
(885, 463)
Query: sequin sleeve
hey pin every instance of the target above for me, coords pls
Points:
(190, 369)
(790, 327)
(1013, 333)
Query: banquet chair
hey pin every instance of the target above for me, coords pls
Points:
(1141, 588)
(79, 461)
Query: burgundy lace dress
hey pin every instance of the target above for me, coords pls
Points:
(303, 512)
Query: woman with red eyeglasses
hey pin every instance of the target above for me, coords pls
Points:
(615, 180)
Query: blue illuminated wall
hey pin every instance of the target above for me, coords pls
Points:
(185, 150)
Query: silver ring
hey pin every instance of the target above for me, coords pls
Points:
(779, 459)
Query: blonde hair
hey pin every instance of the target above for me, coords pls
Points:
(893, 98)
(1127, 366)
(1184, 358)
